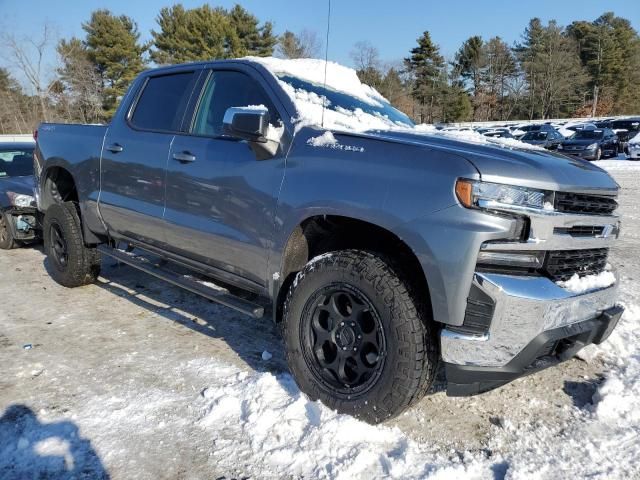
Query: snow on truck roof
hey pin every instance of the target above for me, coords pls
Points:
(351, 106)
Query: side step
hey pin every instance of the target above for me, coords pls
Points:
(216, 294)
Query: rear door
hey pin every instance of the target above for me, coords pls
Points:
(221, 200)
(135, 153)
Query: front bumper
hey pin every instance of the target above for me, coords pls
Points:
(527, 310)
(545, 350)
(585, 154)
(23, 223)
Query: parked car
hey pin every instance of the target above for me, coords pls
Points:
(547, 139)
(591, 144)
(568, 130)
(605, 123)
(381, 251)
(626, 129)
(537, 127)
(498, 133)
(634, 148)
(17, 204)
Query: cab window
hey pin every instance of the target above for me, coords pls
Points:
(163, 101)
(226, 89)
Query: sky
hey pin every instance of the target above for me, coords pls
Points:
(391, 26)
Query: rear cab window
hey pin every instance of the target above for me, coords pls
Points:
(162, 103)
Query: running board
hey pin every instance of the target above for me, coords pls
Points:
(217, 294)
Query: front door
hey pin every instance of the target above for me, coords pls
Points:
(221, 200)
(134, 158)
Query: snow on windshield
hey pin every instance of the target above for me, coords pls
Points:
(350, 105)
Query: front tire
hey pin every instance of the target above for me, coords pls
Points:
(7, 242)
(356, 339)
(598, 154)
(70, 262)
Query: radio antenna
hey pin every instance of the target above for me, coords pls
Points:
(326, 61)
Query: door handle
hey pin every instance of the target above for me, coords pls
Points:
(115, 148)
(184, 157)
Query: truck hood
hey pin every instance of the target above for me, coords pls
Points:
(505, 162)
(22, 185)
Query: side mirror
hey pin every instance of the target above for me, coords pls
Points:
(246, 123)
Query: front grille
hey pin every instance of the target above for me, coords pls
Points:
(561, 265)
(581, 203)
(580, 231)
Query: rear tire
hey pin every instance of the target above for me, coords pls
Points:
(355, 337)
(7, 242)
(71, 263)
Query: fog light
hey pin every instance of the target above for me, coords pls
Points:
(511, 259)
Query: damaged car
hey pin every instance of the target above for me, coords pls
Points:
(18, 221)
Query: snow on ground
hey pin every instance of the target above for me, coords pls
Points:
(131, 378)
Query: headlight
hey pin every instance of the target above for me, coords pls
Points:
(475, 194)
(634, 146)
(560, 147)
(593, 146)
(21, 200)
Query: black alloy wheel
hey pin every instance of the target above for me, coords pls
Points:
(59, 250)
(344, 342)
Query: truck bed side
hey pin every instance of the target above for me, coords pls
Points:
(73, 150)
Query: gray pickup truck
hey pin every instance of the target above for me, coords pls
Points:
(382, 253)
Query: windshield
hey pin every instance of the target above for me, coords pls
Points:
(16, 162)
(535, 136)
(588, 134)
(338, 101)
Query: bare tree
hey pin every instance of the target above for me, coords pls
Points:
(305, 44)
(79, 88)
(365, 56)
(27, 55)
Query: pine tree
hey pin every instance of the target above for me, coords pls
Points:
(254, 40)
(206, 33)
(550, 62)
(610, 51)
(113, 47)
(471, 61)
(426, 64)
(201, 33)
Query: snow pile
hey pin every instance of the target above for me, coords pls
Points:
(311, 107)
(471, 136)
(323, 140)
(264, 422)
(578, 284)
(338, 77)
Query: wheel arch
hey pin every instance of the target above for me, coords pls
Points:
(319, 234)
(58, 185)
